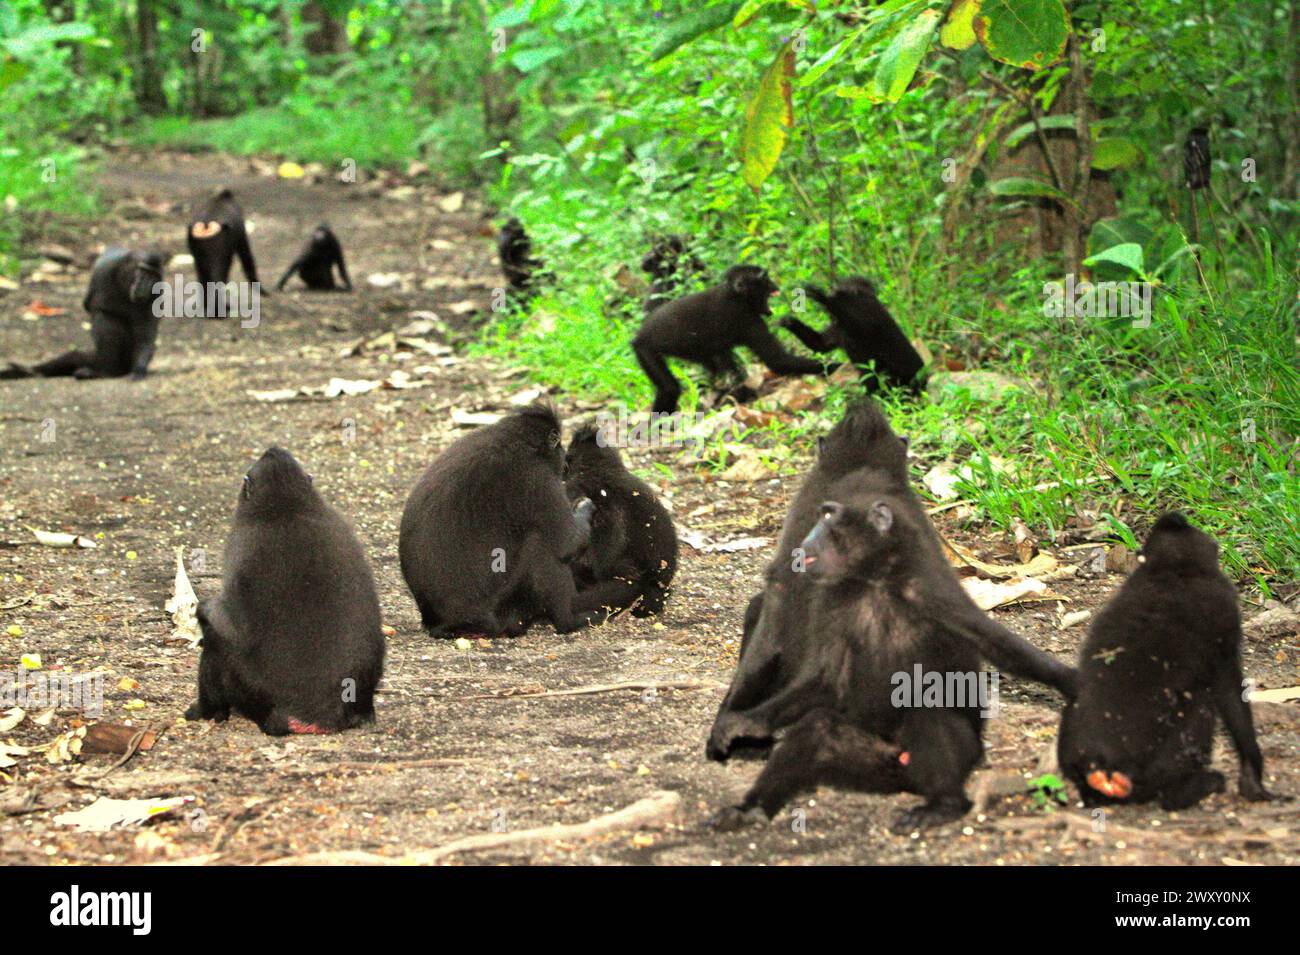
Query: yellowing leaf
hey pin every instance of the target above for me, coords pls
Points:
(290, 170)
(767, 117)
(126, 683)
(957, 32)
(30, 661)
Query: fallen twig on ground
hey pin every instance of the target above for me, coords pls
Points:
(610, 688)
(655, 811)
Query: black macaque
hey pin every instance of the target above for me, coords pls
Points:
(516, 252)
(1196, 158)
(780, 641)
(632, 556)
(705, 328)
(315, 263)
(875, 613)
(669, 264)
(294, 642)
(488, 534)
(123, 325)
(1160, 661)
(865, 590)
(216, 235)
(864, 329)
(775, 635)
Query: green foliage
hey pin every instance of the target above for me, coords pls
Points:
(819, 141)
(1048, 792)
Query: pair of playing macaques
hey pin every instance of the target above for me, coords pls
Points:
(706, 327)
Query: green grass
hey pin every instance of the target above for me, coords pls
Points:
(1115, 422)
(370, 137)
(45, 181)
(377, 135)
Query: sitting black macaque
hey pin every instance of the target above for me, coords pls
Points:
(1161, 660)
(315, 263)
(775, 630)
(864, 329)
(872, 616)
(705, 327)
(216, 235)
(669, 264)
(488, 533)
(120, 301)
(516, 252)
(633, 551)
(294, 642)
(876, 613)
(781, 641)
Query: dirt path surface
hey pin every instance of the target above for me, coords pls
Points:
(146, 468)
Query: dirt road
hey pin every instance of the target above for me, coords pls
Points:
(149, 467)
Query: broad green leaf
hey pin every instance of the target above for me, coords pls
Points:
(1025, 33)
(1116, 153)
(1116, 230)
(828, 59)
(1046, 122)
(687, 28)
(528, 60)
(957, 32)
(1022, 186)
(767, 117)
(1127, 254)
(898, 63)
(511, 16)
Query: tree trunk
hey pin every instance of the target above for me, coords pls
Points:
(325, 34)
(1073, 242)
(148, 90)
(1292, 163)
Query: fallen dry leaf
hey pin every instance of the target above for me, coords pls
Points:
(474, 419)
(1041, 564)
(1282, 694)
(115, 738)
(57, 539)
(988, 594)
(748, 466)
(183, 606)
(11, 718)
(106, 813)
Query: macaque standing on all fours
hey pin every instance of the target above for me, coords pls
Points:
(707, 327)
